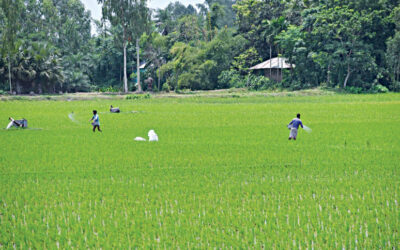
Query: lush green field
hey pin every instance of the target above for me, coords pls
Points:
(222, 175)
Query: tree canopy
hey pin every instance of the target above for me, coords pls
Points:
(47, 46)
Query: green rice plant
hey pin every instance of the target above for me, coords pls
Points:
(223, 174)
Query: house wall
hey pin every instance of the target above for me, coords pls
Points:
(276, 74)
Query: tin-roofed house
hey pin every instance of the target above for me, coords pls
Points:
(274, 68)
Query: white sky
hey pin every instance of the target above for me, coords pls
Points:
(95, 8)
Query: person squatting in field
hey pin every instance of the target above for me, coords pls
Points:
(294, 126)
(114, 110)
(13, 123)
(96, 121)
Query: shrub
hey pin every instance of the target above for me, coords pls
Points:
(259, 82)
(231, 79)
(23, 98)
(380, 89)
(138, 97)
(155, 89)
(395, 86)
(290, 82)
(94, 88)
(184, 91)
(78, 81)
(109, 89)
(166, 87)
(205, 74)
(354, 90)
(188, 80)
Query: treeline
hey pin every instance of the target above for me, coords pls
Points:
(47, 46)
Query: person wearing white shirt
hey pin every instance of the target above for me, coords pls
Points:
(96, 121)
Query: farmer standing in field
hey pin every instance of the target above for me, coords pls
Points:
(96, 121)
(294, 126)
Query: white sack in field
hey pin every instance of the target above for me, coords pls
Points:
(152, 136)
(139, 139)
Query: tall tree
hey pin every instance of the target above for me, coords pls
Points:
(339, 32)
(393, 60)
(254, 19)
(393, 52)
(140, 24)
(11, 12)
(228, 17)
(156, 52)
(133, 17)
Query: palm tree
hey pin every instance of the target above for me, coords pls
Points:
(46, 63)
(23, 70)
(164, 21)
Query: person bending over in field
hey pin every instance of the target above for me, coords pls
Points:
(114, 110)
(13, 123)
(294, 126)
(95, 121)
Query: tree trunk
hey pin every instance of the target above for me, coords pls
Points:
(159, 79)
(282, 70)
(347, 76)
(329, 74)
(279, 64)
(125, 75)
(204, 32)
(291, 67)
(270, 57)
(9, 71)
(277, 70)
(138, 65)
(40, 91)
(348, 69)
(18, 87)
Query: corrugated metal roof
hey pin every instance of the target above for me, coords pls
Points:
(142, 65)
(274, 63)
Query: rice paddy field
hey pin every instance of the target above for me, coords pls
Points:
(223, 174)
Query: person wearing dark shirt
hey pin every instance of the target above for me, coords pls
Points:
(294, 126)
(114, 110)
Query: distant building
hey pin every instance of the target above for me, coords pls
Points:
(273, 69)
(142, 68)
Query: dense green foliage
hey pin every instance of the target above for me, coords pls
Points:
(222, 175)
(51, 47)
(47, 45)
